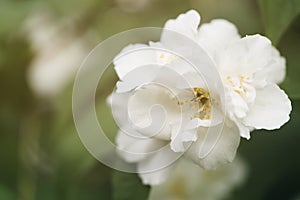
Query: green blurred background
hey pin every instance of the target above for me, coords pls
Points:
(42, 44)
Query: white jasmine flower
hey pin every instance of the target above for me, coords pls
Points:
(189, 181)
(193, 119)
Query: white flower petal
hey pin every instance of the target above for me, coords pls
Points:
(244, 130)
(185, 24)
(236, 104)
(156, 177)
(168, 77)
(133, 149)
(157, 168)
(217, 34)
(134, 56)
(178, 140)
(191, 79)
(246, 57)
(188, 130)
(137, 77)
(145, 100)
(119, 111)
(222, 146)
(270, 110)
(275, 72)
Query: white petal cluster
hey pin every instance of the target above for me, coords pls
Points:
(192, 118)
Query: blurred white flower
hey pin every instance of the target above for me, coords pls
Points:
(189, 181)
(250, 69)
(58, 54)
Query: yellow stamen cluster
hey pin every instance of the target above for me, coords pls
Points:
(239, 88)
(203, 99)
(201, 103)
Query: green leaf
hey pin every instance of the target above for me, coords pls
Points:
(277, 16)
(290, 48)
(128, 186)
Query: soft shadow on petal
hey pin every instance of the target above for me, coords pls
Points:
(217, 34)
(275, 72)
(191, 79)
(134, 56)
(236, 104)
(157, 168)
(178, 141)
(270, 110)
(223, 146)
(134, 149)
(137, 77)
(246, 57)
(144, 100)
(243, 129)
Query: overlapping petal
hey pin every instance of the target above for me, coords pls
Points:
(134, 149)
(221, 146)
(133, 56)
(156, 168)
(271, 109)
(216, 35)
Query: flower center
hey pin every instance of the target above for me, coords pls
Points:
(199, 105)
